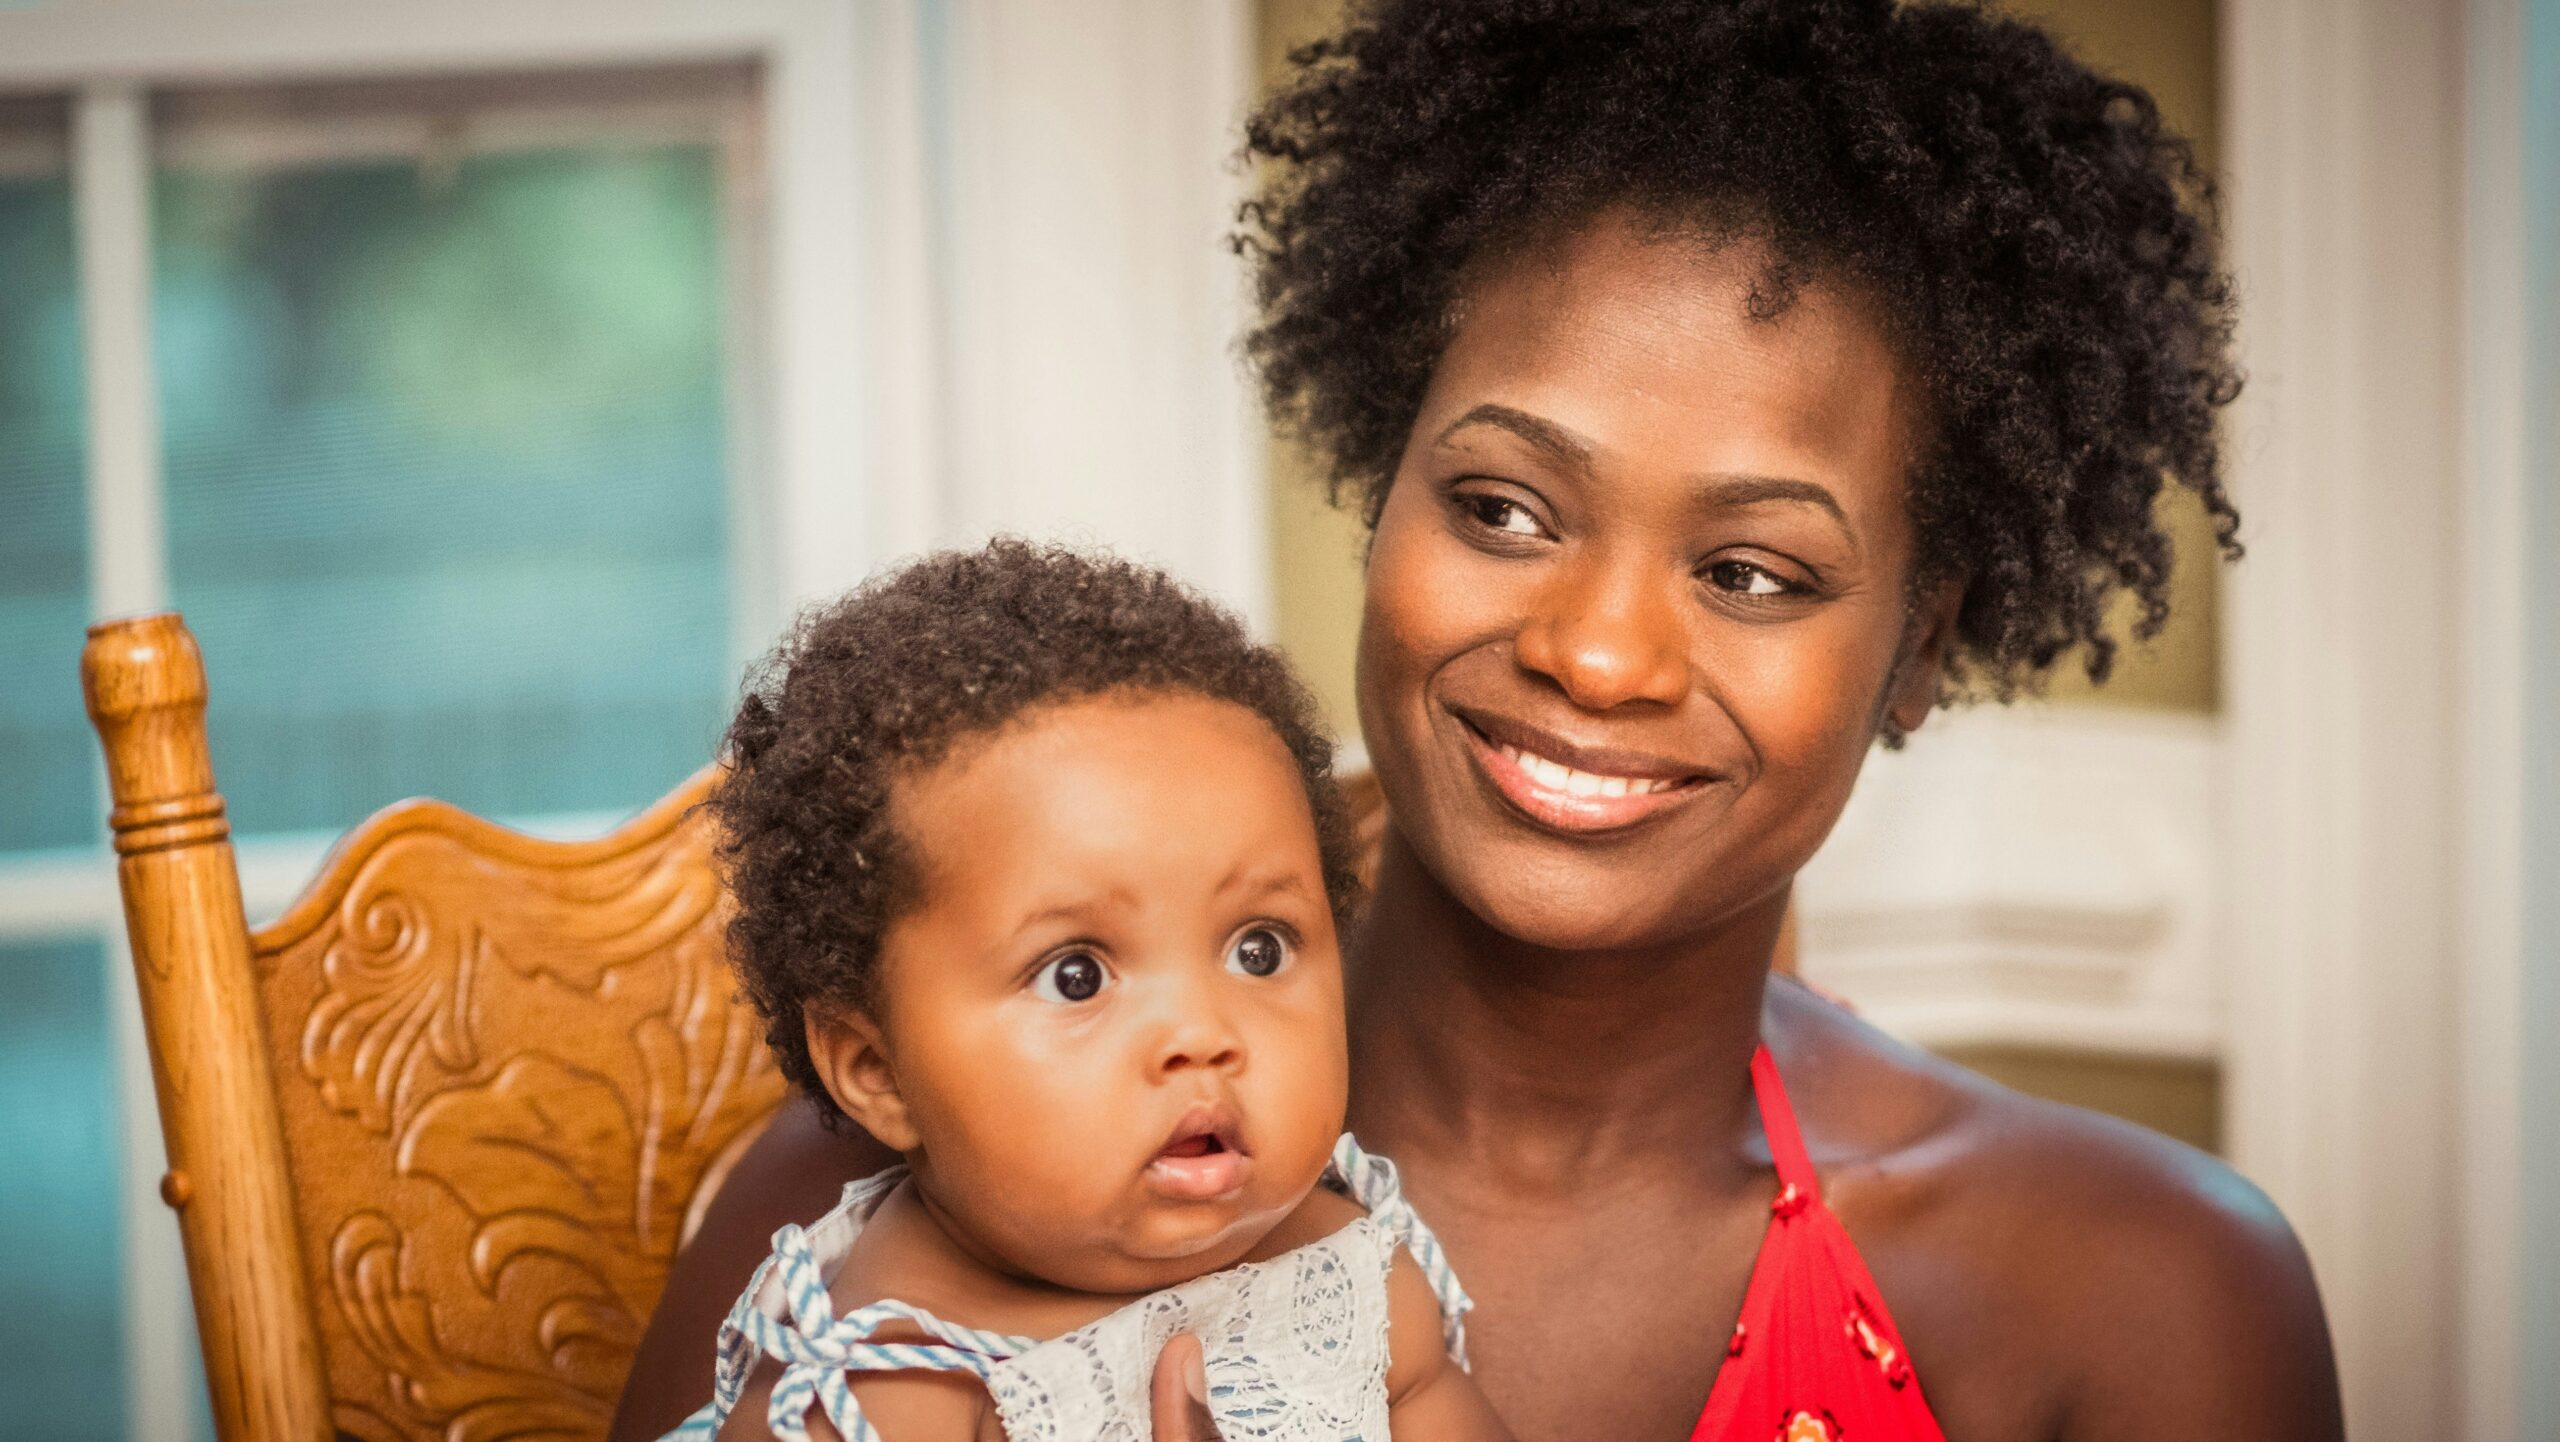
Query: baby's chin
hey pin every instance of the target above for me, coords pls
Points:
(1163, 1244)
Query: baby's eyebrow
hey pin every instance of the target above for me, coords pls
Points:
(1082, 908)
(1250, 875)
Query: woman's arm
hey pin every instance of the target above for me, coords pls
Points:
(792, 1173)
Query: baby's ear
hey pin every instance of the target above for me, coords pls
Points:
(853, 1061)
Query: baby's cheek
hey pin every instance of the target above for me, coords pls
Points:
(1041, 1181)
(1297, 1095)
(1016, 1110)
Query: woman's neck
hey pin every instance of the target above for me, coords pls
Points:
(1469, 1043)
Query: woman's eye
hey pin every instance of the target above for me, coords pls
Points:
(1500, 513)
(1074, 977)
(1745, 579)
(1259, 952)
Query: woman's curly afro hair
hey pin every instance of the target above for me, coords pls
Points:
(2039, 247)
(886, 681)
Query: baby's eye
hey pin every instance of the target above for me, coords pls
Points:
(1259, 952)
(1074, 977)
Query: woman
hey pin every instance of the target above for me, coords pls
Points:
(1727, 384)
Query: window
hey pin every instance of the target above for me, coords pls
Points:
(445, 423)
(452, 406)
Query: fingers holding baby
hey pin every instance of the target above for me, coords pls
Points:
(1039, 864)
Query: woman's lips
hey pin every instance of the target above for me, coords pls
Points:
(1563, 798)
(1203, 1161)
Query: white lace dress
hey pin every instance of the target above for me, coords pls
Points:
(1296, 1346)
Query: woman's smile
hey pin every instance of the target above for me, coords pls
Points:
(1572, 787)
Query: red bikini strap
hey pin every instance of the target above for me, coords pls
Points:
(1778, 1120)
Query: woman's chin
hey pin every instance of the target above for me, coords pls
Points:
(1563, 909)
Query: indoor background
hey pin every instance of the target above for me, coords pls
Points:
(487, 383)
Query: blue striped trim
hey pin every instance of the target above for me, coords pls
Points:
(818, 1348)
(1373, 1183)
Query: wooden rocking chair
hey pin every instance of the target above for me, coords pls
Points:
(436, 1133)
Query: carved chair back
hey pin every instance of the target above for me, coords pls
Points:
(435, 1133)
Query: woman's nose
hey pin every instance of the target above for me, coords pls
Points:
(1606, 637)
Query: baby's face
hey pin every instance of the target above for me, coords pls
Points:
(1114, 1014)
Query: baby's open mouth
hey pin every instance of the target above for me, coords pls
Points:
(1204, 1159)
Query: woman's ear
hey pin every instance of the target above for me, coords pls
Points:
(1913, 692)
(853, 1060)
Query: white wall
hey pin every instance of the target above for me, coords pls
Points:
(1089, 301)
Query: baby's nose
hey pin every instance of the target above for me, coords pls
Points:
(1199, 1038)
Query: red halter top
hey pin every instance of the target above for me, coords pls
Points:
(1815, 1357)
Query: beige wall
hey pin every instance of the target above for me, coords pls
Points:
(2182, 1099)
(2166, 45)
(1315, 549)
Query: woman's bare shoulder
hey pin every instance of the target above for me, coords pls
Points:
(2085, 1248)
(1927, 1134)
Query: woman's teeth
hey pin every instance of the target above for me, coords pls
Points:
(1555, 776)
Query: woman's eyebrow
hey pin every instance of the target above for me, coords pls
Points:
(1559, 445)
(1743, 490)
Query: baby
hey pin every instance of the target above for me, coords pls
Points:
(1038, 864)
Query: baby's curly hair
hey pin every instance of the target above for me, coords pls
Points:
(2040, 247)
(885, 681)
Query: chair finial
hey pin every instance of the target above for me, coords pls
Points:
(144, 681)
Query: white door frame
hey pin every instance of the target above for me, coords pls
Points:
(2373, 681)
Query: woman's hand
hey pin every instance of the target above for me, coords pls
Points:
(1179, 1395)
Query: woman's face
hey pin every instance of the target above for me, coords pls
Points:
(1638, 600)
